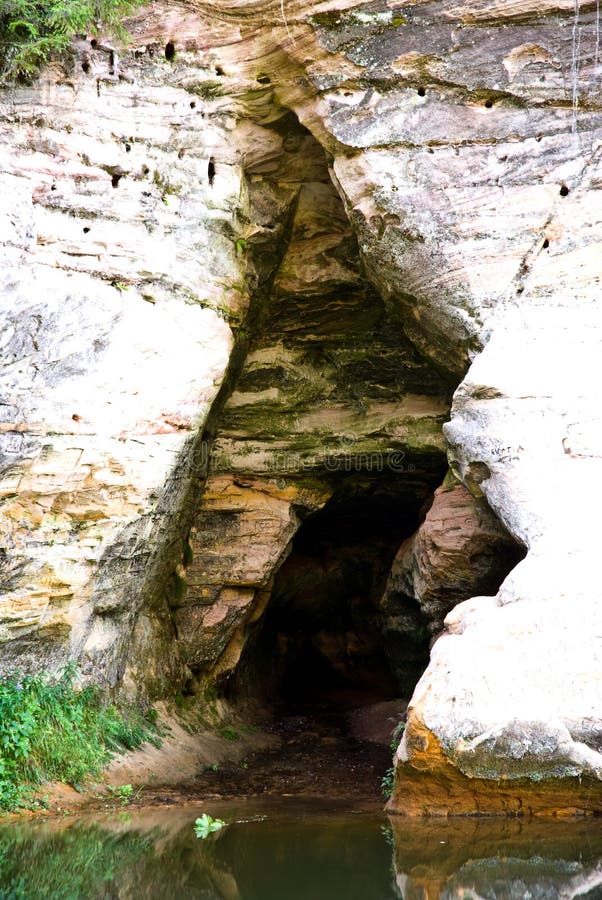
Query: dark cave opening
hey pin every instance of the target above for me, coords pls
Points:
(324, 643)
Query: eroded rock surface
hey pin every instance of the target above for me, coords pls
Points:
(463, 143)
(461, 550)
(117, 267)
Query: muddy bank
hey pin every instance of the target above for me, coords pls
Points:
(338, 756)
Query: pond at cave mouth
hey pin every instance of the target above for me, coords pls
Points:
(297, 849)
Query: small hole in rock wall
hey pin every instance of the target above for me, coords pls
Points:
(86, 66)
(211, 171)
(86, 230)
(488, 104)
(170, 51)
(546, 244)
(421, 92)
(563, 190)
(192, 104)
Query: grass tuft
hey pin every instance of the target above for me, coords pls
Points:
(51, 731)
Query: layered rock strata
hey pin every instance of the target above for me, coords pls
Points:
(330, 392)
(463, 143)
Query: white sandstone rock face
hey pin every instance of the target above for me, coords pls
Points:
(117, 275)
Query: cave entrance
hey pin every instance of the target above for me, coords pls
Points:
(324, 644)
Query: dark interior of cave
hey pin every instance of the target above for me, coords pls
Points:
(324, 643)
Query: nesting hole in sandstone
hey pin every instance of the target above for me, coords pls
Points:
(546, 244)
(421, 92)
(170, 51)
(563, 191)
(211, 171)
(488, 104)
(86, 66)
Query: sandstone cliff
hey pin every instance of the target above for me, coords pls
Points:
(242, 277)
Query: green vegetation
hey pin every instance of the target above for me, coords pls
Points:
(69, 864)
(387, 782)
(165, 186)
(124, 793)
(206, 825)
(31, 32)
(51, 731)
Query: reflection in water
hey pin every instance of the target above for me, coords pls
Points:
(298, 851)
(278, 855)
(498, 859)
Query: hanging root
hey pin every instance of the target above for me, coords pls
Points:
(288, 31)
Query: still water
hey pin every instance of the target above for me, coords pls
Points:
(297, 851)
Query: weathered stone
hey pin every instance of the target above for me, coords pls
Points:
(463, 142)
(113, 346)
(461, 550)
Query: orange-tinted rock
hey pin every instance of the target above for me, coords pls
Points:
(431, 785)
(461, 550)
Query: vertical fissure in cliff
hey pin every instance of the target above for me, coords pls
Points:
(326, 452)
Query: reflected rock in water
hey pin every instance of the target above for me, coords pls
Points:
(497, 860)
(298, 852)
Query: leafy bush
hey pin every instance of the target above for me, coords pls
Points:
(387, 783)
(388, 780)
(31, 32)
(49, 730)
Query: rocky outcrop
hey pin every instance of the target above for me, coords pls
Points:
(434, 218)
(461, 550)
(118, 269)
(330, 391)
